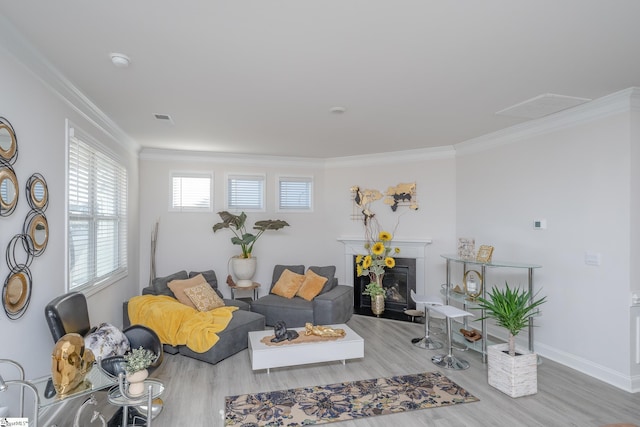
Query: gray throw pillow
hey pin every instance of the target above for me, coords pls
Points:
(278, 269)
(210, 277)
(329, 272)
(160, 284)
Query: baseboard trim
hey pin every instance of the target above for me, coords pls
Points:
(587, 367)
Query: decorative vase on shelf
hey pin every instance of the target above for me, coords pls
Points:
(136, 382)
(244, 269)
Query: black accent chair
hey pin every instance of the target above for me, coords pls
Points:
(68, 313)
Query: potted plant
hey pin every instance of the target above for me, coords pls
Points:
(512, 371)
(373, 264)
(136, 363)
(244, 265)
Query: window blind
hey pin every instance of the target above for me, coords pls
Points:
(295, 193)
(190, 192)
(97, 214)
(245, 192)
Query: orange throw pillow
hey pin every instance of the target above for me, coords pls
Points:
(178, 287)
(311, 286)
(288, 284)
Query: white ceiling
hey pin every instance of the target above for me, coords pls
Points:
(260, 76)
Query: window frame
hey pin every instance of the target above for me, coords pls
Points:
(258, 177)
(191, 174)
(294, 178)
(96, 283)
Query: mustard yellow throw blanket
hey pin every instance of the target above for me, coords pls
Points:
(178, 324)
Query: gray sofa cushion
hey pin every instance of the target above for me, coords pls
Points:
(335, 306)
(233, 339)
(295, 312)
(160, 284)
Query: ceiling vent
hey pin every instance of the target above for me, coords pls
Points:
(542, 105)
(163, 118)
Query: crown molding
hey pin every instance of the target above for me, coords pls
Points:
(160, 154)
(36, 64)
(615, 103)
(406, 156)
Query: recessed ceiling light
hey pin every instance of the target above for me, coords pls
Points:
(338, 110)
(120, 60)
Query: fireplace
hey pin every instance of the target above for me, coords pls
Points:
(413, 250)
(397, 281)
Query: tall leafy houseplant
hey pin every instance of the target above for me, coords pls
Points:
(511, 309)
(246, 240)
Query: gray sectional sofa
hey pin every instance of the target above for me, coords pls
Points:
(234, 337)
(333, 305)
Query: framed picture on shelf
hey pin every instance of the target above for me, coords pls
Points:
(484, 253)
(466, 248)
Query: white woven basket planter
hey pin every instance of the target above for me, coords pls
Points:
(514, 376)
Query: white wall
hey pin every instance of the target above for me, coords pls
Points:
(186, 240)
(576, 174)
(434, 175)
(38, 116)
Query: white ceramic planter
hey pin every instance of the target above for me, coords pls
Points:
(136, 382)
(244, 269)
(513, 375)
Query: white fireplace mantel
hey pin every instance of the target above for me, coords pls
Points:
(409, 248)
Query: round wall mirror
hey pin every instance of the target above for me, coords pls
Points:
(35, 233)
(37, 192)
(38, 229)
(16, 293)
(8, 190)
(8, 143)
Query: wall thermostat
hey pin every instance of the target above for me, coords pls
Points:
(540, 224)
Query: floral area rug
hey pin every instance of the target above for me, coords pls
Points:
(344, 401)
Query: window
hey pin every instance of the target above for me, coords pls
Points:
(191, 192)
(245, 192)
(97, 213)
(295, 193)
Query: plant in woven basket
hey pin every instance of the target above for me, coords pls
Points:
(139, 359)
(511, 309)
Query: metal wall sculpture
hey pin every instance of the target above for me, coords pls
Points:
(16, 291)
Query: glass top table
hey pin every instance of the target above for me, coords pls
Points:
(493, 263)
(95, 380)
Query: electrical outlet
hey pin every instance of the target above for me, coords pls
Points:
(635, 298)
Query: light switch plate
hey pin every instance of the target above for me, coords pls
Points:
(593, 258)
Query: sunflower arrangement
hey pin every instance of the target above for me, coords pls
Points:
(380, 256)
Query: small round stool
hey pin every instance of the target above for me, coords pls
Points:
(429, 301)
(449, 361)
(413, 314)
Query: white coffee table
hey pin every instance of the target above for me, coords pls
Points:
(263, 356)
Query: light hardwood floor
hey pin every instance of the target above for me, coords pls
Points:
(195, 391)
